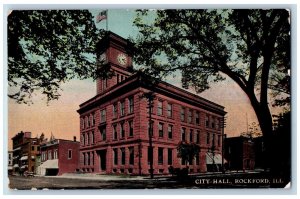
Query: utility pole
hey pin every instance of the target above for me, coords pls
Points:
(223, 124)
(150, 96)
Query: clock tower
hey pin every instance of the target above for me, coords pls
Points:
(115, 53)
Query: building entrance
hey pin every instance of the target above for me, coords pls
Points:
(102, 159)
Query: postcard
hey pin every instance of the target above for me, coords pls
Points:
(151, 98)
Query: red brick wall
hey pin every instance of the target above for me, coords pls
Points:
(65, 163)
(140, 119)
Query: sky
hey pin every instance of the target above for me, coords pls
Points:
(61, 119)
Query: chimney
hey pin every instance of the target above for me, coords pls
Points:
(74, 138)
(27, 134)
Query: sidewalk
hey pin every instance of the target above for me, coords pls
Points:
(91, 176)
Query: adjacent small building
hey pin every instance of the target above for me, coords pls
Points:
(59, 156)
(25, 150)
(240, 153)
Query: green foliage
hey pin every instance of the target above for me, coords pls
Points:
(249, 46)
(203, 44)
(47, 48)
(187, 151)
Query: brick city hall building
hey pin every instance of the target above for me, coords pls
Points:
(114, 123)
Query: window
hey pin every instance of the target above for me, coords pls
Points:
(83, 140)
(131, 155)
(82, 123)
(213, 123)
(69, 154)
(103, 133)
(169, 106)
(190, 114)
(123, 156)
(86, 121)
(115, 110)
(206, 121)
(213, 140)
(150, 128)
(130, 125)
(115, 133)
(219, 140)
(118, 78)
(55, 155)
(89, 121)
(182, 114)
(207, 138)
(150, 108)
(197, 137)
(191, 135)
(32, 148)
(150, 154)
(88, 138)
(88, 158)
(160, 129)
(43, 156)
(122, 130)
(92, 137)
(49, 155)
(115, 156)
(170, 131)
(217, 124)
(130, 104)
(182, 134)
(160, 108)
(170, 157)
(197, 116)
(93, 119)
(103, 115)
(160, 155)
(122, 108)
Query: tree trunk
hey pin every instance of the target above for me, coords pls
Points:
(265, 121)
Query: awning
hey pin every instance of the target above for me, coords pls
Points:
(24, 166)
(16, 166)
(213, 158)
(16, 149)
(32, 157)
(24, 158)
(50, 164)
(9, 168)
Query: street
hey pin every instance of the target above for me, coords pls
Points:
(229, 180)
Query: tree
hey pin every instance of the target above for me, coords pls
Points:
(187, 151)
(253, 131)
(248, 46)
(47, 48)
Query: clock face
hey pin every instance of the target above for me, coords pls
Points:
(122, 59)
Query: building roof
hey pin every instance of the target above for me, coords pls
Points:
(141, 80)
(56, 142)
